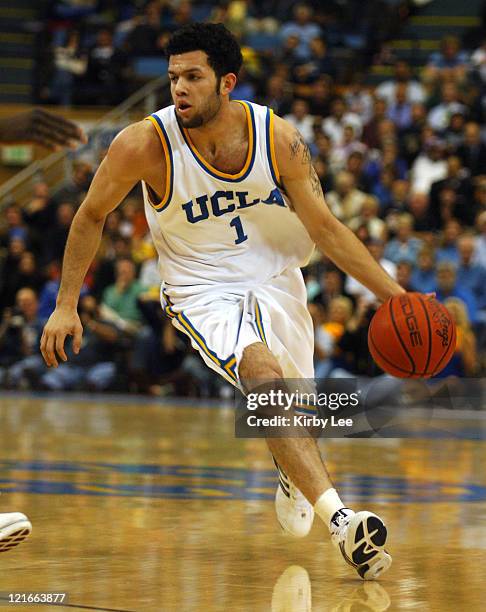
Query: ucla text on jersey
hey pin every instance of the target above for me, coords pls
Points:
(212, 227)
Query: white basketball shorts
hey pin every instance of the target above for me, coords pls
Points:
(223, 320)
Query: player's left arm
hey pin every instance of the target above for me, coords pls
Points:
(335, 240)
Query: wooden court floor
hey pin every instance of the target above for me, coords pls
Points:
(139, 506)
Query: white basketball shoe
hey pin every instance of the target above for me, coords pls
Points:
(294, 513)
(14, 529)
(361, 538)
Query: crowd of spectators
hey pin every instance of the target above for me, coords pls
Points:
(90, 50)
(402, 164)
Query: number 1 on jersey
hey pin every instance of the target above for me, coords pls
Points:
(240, 234)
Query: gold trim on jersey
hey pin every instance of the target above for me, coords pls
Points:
(250, 155)
(273, 155)
(169, 171)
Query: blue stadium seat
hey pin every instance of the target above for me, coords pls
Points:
(262, 41)
(201, 12)
(149, 66)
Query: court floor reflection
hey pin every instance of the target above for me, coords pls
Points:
(154, 508)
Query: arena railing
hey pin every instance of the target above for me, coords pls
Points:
(56, 168)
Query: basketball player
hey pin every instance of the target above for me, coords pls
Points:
(53, 132)
(235, 209)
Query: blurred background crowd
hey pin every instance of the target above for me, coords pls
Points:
(401, 157)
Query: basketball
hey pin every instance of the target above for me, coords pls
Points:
(412, 336)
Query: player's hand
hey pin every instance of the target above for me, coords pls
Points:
(63, 322)
(43, 128)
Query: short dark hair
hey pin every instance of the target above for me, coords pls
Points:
(219, 44)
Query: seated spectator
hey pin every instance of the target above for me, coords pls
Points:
(404, 247)
(447, 287)
(345, 200)
(428, 167)
(400, 111)
(387, 134)
(418, 207)
(39, 213)
(478, 61)
(20, 331)
(10, 268)
(352, 355)
(103, 82)
(14, 226)
(181, 16)
(94, 368)
(356, 165)
(25, 275)
(119, 304)
(349, 144)
(70, 63)
(331, 284)
(449, 64)
(448, 250)
(411, 138)
(329, 332)
(302, 120)
(423, 277)
(277, 95)
(457, 179)
(48, 294)
(479, 202)
(469, 274)
(400, 191)
(464, 361)
(382, 188)
(326, 178)
(438, 117)
(371, 128)
(473, 152)
(339, 118)
(404, 275)
(113, 249)
(480, 250)
(355, 288)
(454, 133)
(56, 236)
(358, 99)
(414, 90)
(387, 157)
(143, 39)
(320, 97)
(369, 217)
(322, 146)
(448, 203)
(75, 189)
(304, 28)
(307, 71)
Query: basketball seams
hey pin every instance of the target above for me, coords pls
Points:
(415, 372)
(422, 303)
(451, 344)
(378, 352)
(395, 327)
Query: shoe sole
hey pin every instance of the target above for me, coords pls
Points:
(14, 534)
(364, 546)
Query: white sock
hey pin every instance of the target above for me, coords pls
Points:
(327, 505)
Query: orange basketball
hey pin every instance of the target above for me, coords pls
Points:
(412, 336)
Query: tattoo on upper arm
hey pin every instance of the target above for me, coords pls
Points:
(299, 148)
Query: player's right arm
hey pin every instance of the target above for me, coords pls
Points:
(134, 155)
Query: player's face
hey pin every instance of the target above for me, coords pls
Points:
(195, 89)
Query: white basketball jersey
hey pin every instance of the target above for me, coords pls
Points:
(212, 227)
